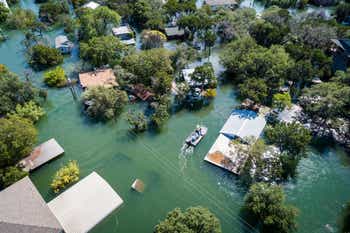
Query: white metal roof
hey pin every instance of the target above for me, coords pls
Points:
(289, 115)
(92, 5)
(121, 30)
(85, 204)
(243, 124)
(5, 3)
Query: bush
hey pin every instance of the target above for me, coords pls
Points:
(11, 175)
(281, 101)
(42, 57)
(66, 175)
(30, 111)
(104, 103)
(152, 39)
(55, 77)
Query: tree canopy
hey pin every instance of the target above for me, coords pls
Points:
(194, 219)
(43, 57)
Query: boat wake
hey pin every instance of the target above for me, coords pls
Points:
(185, 151)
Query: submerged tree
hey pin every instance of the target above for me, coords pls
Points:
(66, 175)
(194, 219)
(29, 110)
(43, 57)
(266, 204)
(56, 77)
(137, 121)
(152, 39)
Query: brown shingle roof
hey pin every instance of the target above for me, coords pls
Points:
(103, 77)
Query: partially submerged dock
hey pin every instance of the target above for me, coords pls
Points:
(41, 155)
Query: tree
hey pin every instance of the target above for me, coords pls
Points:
(56, 77)
(66, 175)
(194, 219)
(345, 224)
(29, 110)
(160, 115)
(281, 100)
(137, 121)
(148, 14)
(266, 33)
(290, 137)
(101, 50)
(266, 204)
(162, 83)
(145, 64)
(17, 138)
(104, 103)
(280, 3)
(95, 23)
(204, 75)
(42, 57)
(183, 56)
(342, 11)
(51, 11)
(151, 39)
(10, 175)
(21, 19)
(13, 91)
(254, 89)
(4, 13)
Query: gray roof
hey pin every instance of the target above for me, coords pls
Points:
(23, 210)
(243, 124)
(5, 3)
(220, 2)
(174, 31)
(62, 41)
(121, 30)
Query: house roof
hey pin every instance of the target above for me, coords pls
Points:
(62, 40)
(174, 31)
(344, 44)
(102, 77)
(92, 5)
(140, 91)
(220, 2)
(42, 154)
(243, 124)
(121, 30)
(85, 204)
(23, 210)
(290, 115)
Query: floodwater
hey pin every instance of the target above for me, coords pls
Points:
(172, 179)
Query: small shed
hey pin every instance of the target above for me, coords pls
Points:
(100, 77)
(138, 186)
(91, 5)
(216, 4)
(174, 32)
(85, 204)
(41, 155)
(23, 210)
(243, 124)
(63, 44)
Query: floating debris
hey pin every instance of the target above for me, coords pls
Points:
(138, 186)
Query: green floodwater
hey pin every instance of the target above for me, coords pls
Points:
(172, 180)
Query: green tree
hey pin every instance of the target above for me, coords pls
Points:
(66, 175)
(254, 89)
(95, 23)
(137, 121)
(10, 175)
(194, 219)
(151, 39)
(162, 83)
(281, 101)
(290, 137)
(42, 57)
(101, 50)
(21, 19)
(29, 110)
(104, 103)
(266, 204)
(17, 138)
(160, 115)
(13, 91)
(56, 77)
(204, 75)
(51, 11)
(266, 33)
(4, 13)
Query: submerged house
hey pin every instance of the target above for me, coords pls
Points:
(41, 155)
(341, 54)
(174, 33)
(100, 77)
(141, 92)
(91, 5)
(23, 210)
(125, 34)
(217, 4)
(240, 129)
(85, 204)
(63, 44)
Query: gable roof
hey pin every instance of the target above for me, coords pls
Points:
(62, 40)
(23, 210)
(121, 30)
(220, 2)
(92, 5)
(85, 204)
(243, 124)
(103, 77)
(174, 31)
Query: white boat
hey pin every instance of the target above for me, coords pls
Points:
(196, 136)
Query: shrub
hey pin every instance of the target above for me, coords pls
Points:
(152, 39)
(10, 175)
(42, 57)
(55, 77)
(66, 175)
(29, 110)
